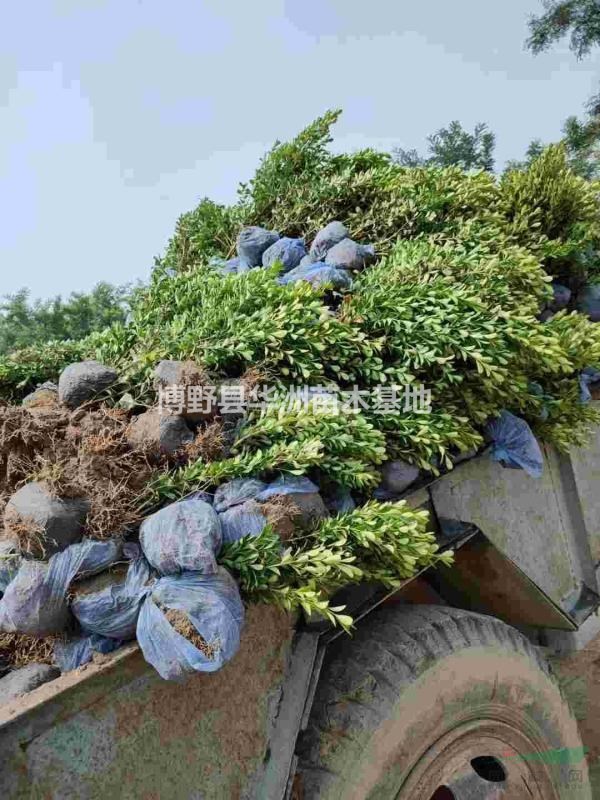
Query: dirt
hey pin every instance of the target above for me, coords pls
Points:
(77, 455)
(579, 676)
(283, 516)
(209, 444)
(181, 623)
(113, 576)
(18, 650)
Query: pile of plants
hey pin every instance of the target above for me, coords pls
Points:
(459, 301)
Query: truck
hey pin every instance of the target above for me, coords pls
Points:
(442, 691)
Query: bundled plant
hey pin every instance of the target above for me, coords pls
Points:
(552, 211)
(293, 438)
(382, 542)
(231, 323)
(480, 258)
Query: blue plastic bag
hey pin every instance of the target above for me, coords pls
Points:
(242, 520)
(327, 238)
(35, 601)
(318, 274)
(287, 484)
(213, 605)
(252, 243)
(289, 252)
(514, 445)
(182, 536)
(350, 255)
(339, 501)
(588, 377)
(80, 650)
(308, 260)
(588, 302)
(113, 611)
(237, 491)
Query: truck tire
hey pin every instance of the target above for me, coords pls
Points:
(436, 703)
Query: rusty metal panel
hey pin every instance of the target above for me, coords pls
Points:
(118, 730)
(488, 582)
(522, 516)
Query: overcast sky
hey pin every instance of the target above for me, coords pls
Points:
(117, 116)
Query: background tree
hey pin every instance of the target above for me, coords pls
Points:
(454, 146)
(24, 323)
(580, 19)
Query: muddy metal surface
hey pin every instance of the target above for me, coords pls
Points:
(579, 676)
(116, 729)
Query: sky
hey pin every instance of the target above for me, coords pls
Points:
(118, 115)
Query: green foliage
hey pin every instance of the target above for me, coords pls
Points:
(428, 440)
(551, 210)
(384, 542)
(233, 322)
(582, 140)
(292, 438)
(476, 359)
(580, 17)
(291, 579)
(480, 258)
(452, 304)
(454, 146)
(569, 421)
(293, 458)
(439, 331)
(286, 168)
(208, 230)
(22, 370)
(301, 186)
(390, 541)
(25, 324)
(350, 444)
(579, 338)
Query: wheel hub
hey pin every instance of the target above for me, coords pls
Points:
(481, 761)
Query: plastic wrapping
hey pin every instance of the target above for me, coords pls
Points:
(588, 301)
(318, 274)
(252, 243)
(232, 266)
(287, 484)
(350, 255)
(237, 491)
(80, 650)
(339, 501)
(396, 477)
(514, 445)
(327, 238)
(242, 520)
(212, 604)
(35, 601)
(289, 252)
(113, 611)
(10, 561)
(561, 297)
(182, 536)
(588, 377)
